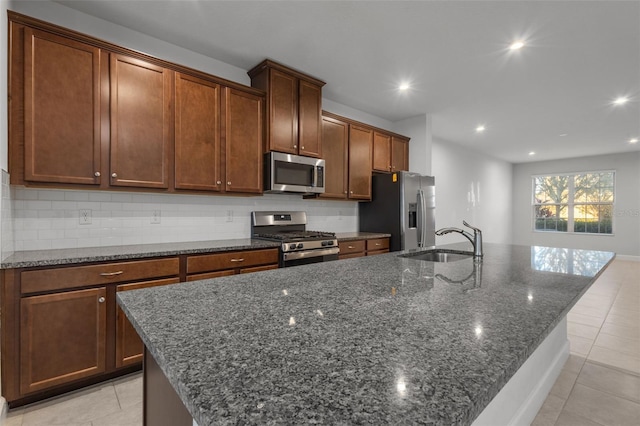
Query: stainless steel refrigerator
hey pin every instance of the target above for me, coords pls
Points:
(403, 205)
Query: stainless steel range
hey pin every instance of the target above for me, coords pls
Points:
(299, 246)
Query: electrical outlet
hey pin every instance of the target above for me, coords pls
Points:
(155, 217)
(84, 217)
(229, 215)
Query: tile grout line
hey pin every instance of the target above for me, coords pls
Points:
(586, 359)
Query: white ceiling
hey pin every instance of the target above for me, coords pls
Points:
(579, 56)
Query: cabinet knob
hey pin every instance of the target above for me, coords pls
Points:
(295, 146)
(101, 300)
(302, 147)
(218, 182)
(97, 174)
(351, 192)
(114, 175)
(229, 183)
(345, 192)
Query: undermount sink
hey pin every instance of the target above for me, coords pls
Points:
(438, 255)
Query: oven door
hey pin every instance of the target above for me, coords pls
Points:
(297, 258)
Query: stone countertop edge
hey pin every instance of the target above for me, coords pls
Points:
(36, 258)
(354, 236)
(333, 343)
(56, 257)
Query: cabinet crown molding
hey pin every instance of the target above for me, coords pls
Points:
(268, 63)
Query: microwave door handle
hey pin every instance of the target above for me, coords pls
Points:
(423, 218)
(314, 181)
(420, 217)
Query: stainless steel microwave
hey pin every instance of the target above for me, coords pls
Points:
(293, 173)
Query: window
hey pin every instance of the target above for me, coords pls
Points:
(580, 203)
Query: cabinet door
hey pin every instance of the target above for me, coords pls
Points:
(283, 112)
(381, 152)
(140, 123)
(360, 153)
(129, 347)
(243, 114)
(62, 338)
(197, 131)
(400, 154)
(335, 145)
(309, 119)
(62, 109)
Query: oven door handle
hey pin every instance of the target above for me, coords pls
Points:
(310, 253)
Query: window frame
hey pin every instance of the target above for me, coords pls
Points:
(571, 203)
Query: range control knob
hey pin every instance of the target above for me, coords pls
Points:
(292, 246)
(329, 243)
(325, 243)
(300, 246)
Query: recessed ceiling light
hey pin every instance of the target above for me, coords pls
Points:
(532, 153)
(621, 100)
(404, 86)
(563, 134)
(633, 140)
(480, 129)
(516, 45)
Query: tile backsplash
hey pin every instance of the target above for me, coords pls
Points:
(50, 219)
(6, 217)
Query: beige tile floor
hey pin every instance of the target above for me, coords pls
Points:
(598, 386)
(600, 383)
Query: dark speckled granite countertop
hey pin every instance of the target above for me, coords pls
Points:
(34, 258)
(25, 259)
(378, 340)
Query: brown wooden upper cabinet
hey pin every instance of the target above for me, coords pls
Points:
(335, 149)
(360, 155)
(399, 154)
(390, 153)
(243, 130)
(140, 123)
(197, 129)
(87, 112)
(61, 109)
(294, 109)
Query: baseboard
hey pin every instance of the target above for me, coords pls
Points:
(520, 399)
(628, 257)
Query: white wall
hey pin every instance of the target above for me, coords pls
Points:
(474, 187)
(354, 114)
(419, 130)
(626, 238)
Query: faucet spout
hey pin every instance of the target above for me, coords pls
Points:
(475, 239)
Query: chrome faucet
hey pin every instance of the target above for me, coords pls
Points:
(475, 239)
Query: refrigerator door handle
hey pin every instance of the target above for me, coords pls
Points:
(421, 218)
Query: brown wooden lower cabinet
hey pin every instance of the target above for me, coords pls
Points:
(201, 267)
(62, 328)
(129, 347)
(62, 337)
(359, 248)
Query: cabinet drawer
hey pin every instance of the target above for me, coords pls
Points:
(80, 276)
(350, 255)
(378, 244)
(209, 275)
(374, 252)
(347, 247)
(231, 260)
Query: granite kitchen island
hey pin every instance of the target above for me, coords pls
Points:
(381, 340)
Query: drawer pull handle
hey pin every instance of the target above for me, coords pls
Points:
(101, 300)
(351, 247)
(237, 260)
(378, 244)
(110, 274)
